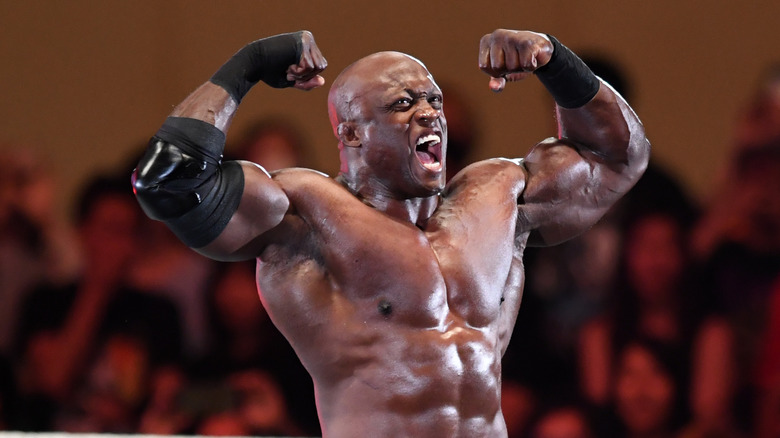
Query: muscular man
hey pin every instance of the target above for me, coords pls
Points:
(398, 292)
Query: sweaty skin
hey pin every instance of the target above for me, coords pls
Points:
(398, 293)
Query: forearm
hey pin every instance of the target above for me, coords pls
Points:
(607, 127)
(209, 103)
(267, 60)
(590, 113)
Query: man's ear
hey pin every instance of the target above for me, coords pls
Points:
(348, 134)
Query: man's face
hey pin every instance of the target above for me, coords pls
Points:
(109, 234)
(402, 127)
(655, 258)
(644, 392)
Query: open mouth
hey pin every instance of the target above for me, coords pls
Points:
(428, 151)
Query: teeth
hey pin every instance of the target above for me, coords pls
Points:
(427, 138)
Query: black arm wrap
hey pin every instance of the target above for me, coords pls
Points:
(264, 60)
(181, 180)
(567, 78)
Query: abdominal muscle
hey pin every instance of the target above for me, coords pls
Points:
(409, 382)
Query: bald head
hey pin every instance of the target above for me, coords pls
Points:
(380, 107)
(376, 70)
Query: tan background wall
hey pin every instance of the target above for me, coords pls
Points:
(87, 82)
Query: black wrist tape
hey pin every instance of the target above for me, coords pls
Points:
(264, 60)
(567, 78)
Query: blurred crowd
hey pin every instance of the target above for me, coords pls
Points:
(663, 320)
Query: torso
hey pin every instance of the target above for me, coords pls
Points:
(401, 327)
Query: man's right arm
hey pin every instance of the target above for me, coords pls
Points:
(220, 208)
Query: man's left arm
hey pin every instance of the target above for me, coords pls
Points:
(600, 151)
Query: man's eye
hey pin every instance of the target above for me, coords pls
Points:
(435, 101)
(400, 104)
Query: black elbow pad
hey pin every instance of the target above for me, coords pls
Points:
(155, 180)
(201, 225)
(168, 182)
(181, 180)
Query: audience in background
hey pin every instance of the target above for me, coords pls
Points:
(249, 380)
(35, 245)
(85, 350)
(563, 421)
(274, 143)
(519, 404)
(658, 297)
(172, 270)
(768, 373)
(7, 394)
(738, 238)
(648, 401)
(246, 343)
(666, 322)
(163, 413)
(759, 122)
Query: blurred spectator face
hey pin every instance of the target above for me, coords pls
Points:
(272, 149)
(263, 406)
(758, 181)
(237, 301)
(117, 384)
(654, 258)
(760, 121)
(644, 392)
(25, 186)
(562, 423)
(109, 234)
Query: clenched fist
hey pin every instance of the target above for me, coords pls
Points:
(512, 55)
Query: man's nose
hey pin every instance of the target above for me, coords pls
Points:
(427, 114)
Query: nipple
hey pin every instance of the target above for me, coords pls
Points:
(385, 308)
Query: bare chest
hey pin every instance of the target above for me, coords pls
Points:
(460, 264)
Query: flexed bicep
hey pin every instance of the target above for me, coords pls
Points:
(262, 206)
(567, 190)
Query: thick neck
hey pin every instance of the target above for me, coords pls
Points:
(416, 211)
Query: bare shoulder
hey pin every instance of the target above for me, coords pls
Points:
(500, 174)
(295, 243)
(308, 187)
(568, 189)
(299, 177)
